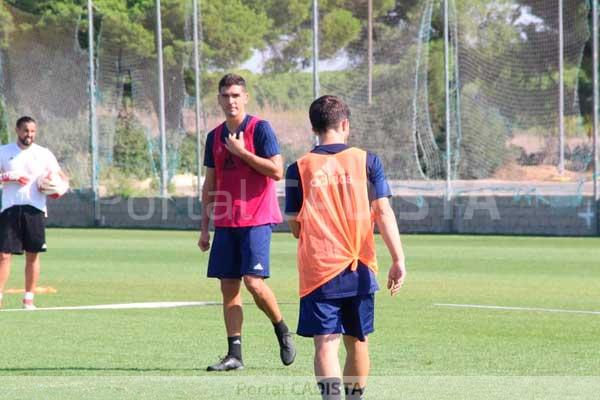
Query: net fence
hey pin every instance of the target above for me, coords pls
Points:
(128, 98)
(506, 103)
(503, 96)
(43, 74)
(500, 85)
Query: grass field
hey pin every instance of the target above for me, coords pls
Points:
(419, 350)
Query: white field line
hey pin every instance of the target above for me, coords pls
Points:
(549, 310)
(130, 306)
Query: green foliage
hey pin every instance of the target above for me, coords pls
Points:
(381, 131)
(117, 182)
(284, 91)
(437, 87)
(6, 26)
(122, 30)
(187, 156)
(4, 135)
(286, 16)
(340, 27)
(341, 23)
(295, 52)
(232, 30)
(131, 150)
(31, 6)
(482, 151)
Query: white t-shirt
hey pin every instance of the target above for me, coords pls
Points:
(33, 162)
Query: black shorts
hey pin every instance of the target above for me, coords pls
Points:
(22, 228)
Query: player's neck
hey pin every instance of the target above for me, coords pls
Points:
(233, 123)
(332, 137)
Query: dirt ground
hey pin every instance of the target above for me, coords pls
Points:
(538, 173)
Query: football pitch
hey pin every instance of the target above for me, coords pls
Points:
(479, 317)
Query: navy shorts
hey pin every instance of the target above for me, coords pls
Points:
(236, 252)
(22, 228)
(351, 316)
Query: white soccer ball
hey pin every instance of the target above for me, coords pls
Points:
(53, 184)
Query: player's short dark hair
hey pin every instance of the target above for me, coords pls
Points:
(230, 80)
(24, 120)
(327, 112)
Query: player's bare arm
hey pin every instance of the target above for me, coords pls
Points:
(208, 190)
(294, 226)
(271, 167)
(386, 222)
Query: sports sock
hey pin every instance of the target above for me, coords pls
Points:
(280, 328)
(28, 296)
(330, 388)
(1, 296)
(353, 392)
(234, 344)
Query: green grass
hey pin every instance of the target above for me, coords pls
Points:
(418, 349)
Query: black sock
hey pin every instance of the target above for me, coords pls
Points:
(330, 388)
(353, 392)
(235, 347)
(280, 328)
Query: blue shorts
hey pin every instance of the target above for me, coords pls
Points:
(351, 316)
(236, 252)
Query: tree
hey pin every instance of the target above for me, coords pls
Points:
(131, 151)
(6, 26)
(231, 30)
(341, 22)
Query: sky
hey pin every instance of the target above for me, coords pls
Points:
(257, 61)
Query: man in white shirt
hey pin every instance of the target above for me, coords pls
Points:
(23, 213)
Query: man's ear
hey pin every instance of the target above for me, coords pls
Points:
(346, 125)
(345, 129)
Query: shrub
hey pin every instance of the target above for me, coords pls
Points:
(131, 152)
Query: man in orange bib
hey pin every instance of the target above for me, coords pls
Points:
(334, 194)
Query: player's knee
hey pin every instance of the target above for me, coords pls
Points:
(325, 352)
(5, 257)
(326, 344)
(230, 288)
(357, 349)
(254, 284)
(355, 345)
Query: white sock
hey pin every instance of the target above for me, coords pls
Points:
(1, 296)
(28, 296)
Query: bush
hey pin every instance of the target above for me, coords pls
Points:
(131, 152)
(115, 182)
(484, 133)
(580, 158)
(187, 155)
